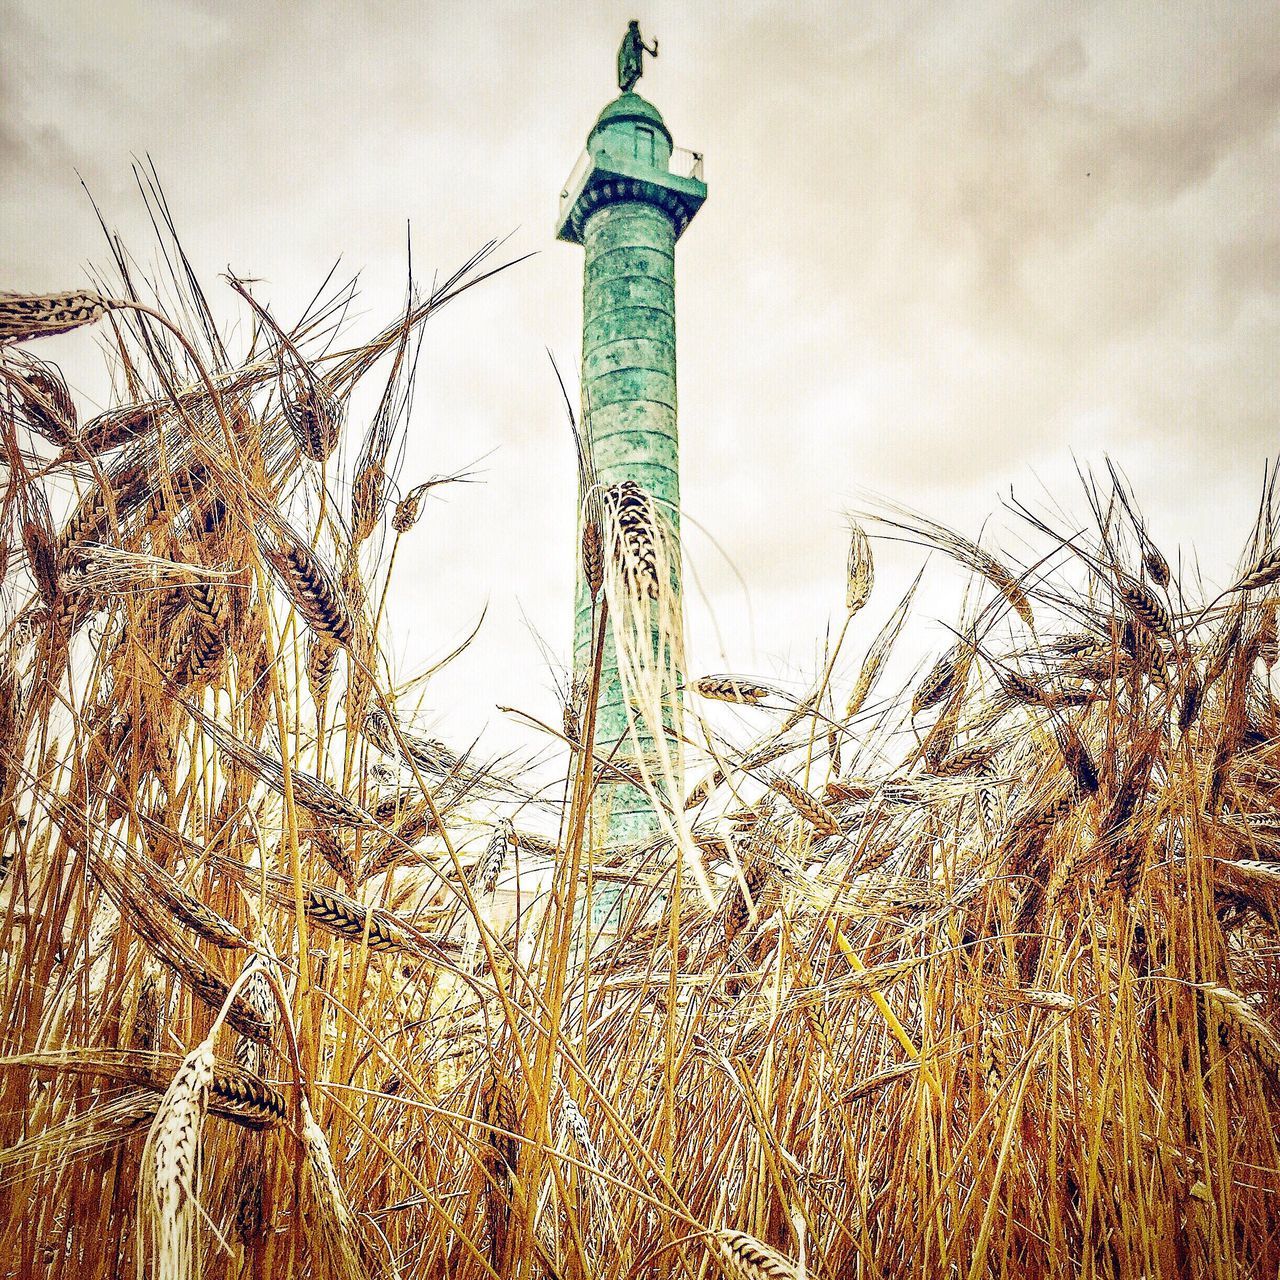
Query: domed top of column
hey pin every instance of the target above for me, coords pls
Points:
(631, 128)
(629, 109)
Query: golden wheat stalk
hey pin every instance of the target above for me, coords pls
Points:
(860, 572)
(632, 519)
(1261, 1039)
(740, 689)
(805, 803)
(311, 587)
(745, 1258)
(170, 1186)
(45, 400)
(26, 316)
(311, 407)
(1263, 573)
(937, 682)
(337, 1223)
(337, 913)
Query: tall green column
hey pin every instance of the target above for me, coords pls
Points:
(627, 208)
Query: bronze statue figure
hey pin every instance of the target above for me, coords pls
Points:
(630, 56)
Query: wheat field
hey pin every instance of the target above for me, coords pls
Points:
(972, 972)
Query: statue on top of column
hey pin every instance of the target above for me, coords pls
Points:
(630, 56)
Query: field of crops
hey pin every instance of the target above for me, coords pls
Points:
(975, 977)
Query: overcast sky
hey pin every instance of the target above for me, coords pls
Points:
(947, 248)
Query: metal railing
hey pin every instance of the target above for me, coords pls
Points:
(579, 172)
(575, 178)
(686, 164)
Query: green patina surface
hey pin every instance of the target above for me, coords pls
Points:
(627, 210)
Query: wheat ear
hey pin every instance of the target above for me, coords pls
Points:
(26, 316)
(746, 1258)
(170, 1185)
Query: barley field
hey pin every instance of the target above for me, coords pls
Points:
(970, 972)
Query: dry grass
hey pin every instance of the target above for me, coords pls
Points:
(987, 981)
